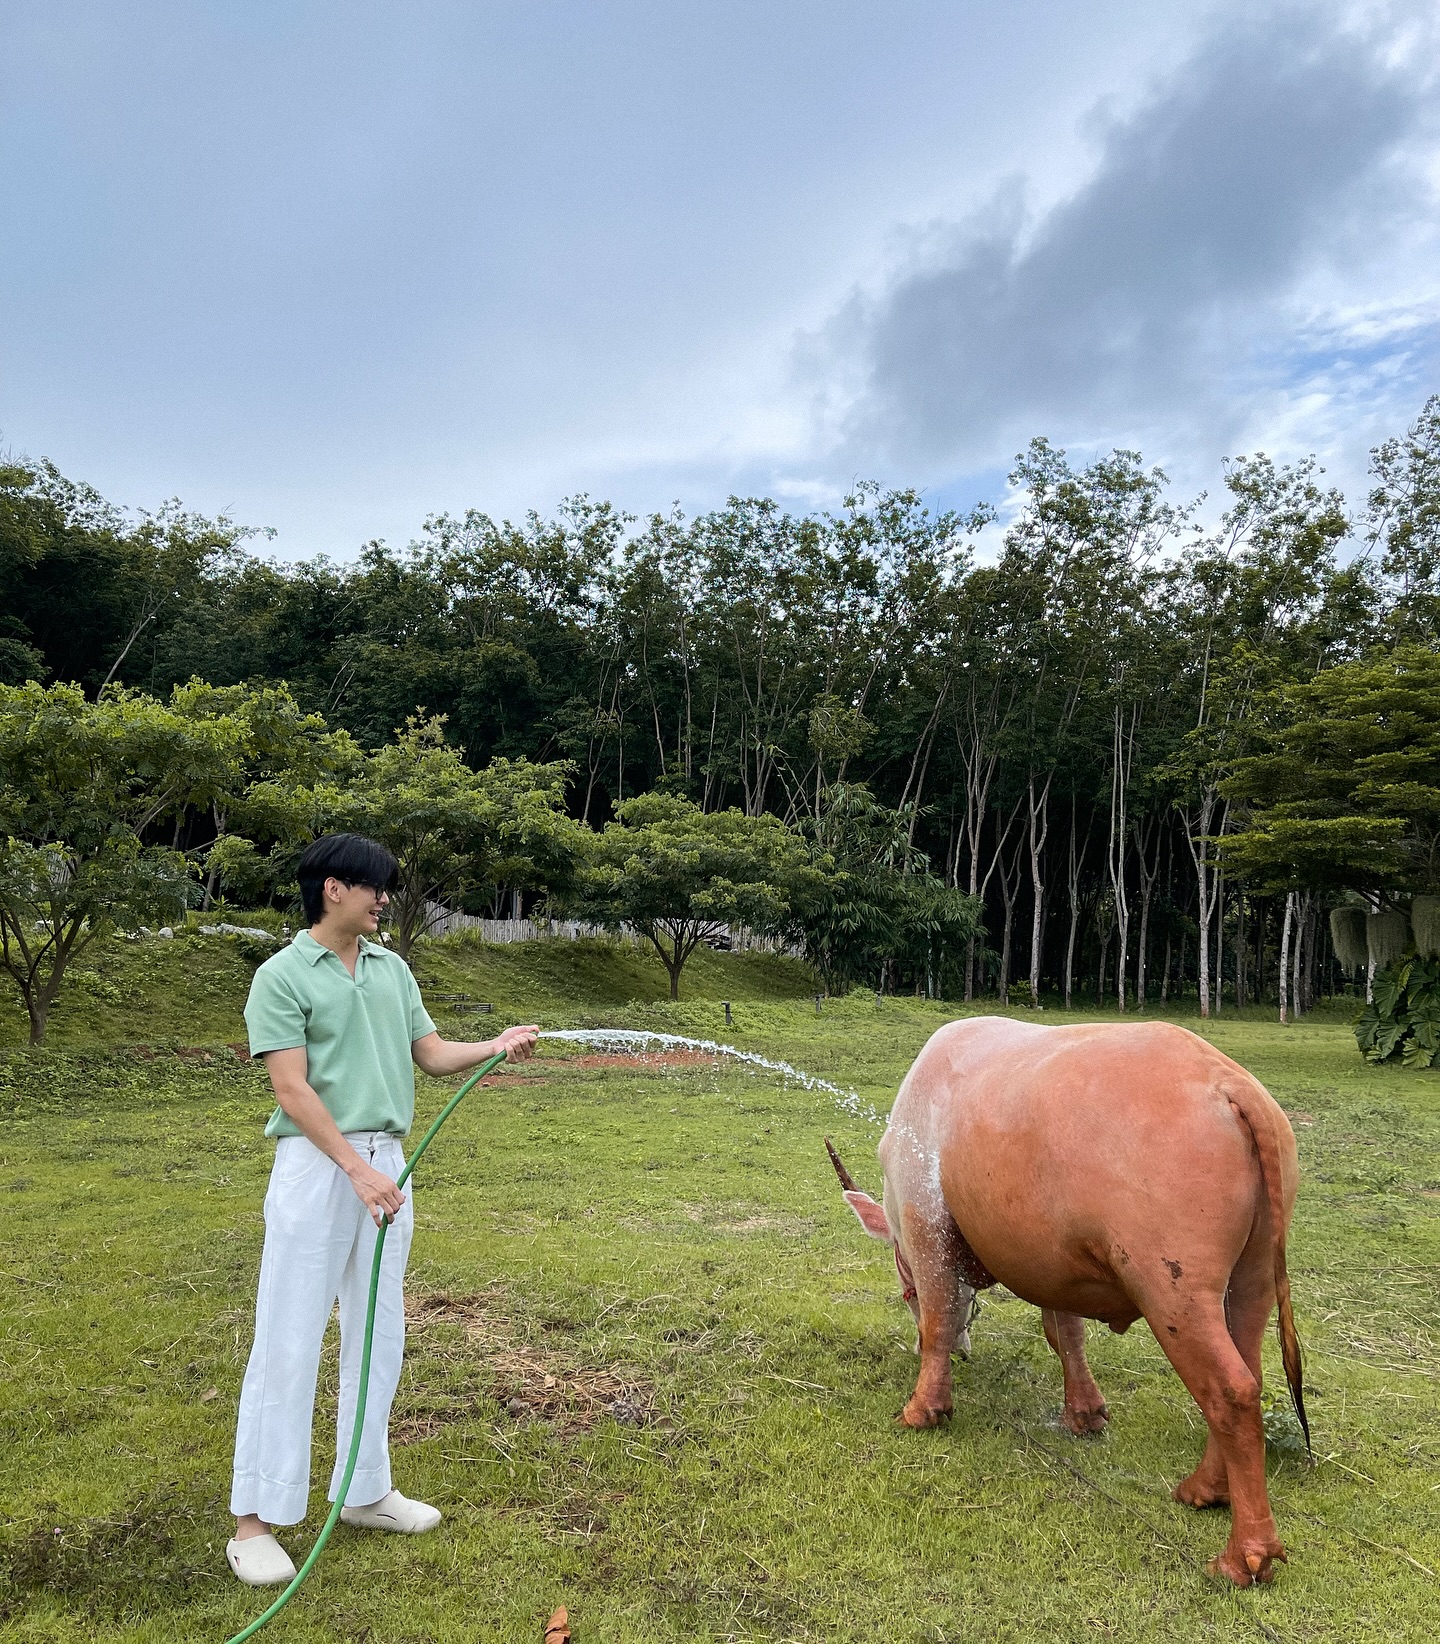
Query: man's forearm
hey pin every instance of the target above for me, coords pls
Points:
(445, 1056)
(315, 1123)
(289, 1078)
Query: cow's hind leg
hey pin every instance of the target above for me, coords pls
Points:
(931, 1247)
(1248, 1306)
(1207, 1360)
(1085, 1409)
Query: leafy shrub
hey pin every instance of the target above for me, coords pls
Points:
(1284, 1435)
(1404, 1020)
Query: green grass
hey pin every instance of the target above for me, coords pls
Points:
(670, 1236)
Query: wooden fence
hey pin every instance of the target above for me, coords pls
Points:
(446, 921)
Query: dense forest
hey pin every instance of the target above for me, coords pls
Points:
(1088, 711)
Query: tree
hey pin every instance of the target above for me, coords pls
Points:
(1072, 575)
(278, 750)
(861, 896)
(677, 874)
(452, 829)
(80, 784)
(1257, 593)
(85, 587)
(931, 928)
(1343, 788)
(842, 896)
(1403, 520)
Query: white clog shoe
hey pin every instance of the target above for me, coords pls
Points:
(260, 1561)
(393, 1512)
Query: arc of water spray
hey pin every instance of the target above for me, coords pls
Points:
(848, 1101)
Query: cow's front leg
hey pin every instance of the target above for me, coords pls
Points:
(930, 1250)
(1085, 1409)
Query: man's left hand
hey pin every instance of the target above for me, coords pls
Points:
(518, 1043)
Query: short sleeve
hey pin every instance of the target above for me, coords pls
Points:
(420, 1022)
(274, 1017)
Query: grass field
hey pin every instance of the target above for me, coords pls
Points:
(655, 1258)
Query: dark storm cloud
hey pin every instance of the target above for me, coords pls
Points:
(1145, 300)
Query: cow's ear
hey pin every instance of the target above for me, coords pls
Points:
(872, 1216)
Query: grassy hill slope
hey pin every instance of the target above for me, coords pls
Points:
(191, 990)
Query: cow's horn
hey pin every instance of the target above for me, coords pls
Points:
(847, 1181)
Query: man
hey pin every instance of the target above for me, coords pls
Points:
(338, 1020)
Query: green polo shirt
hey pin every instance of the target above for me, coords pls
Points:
(357, 1031)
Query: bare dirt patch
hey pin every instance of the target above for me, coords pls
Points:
(793, 1227)
(544, 1067)
(618, 1062)
(525, 1383)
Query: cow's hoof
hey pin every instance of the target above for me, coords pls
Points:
(1250, 1564)
(1200, 1490)
(1085, 1420)
(916, 1414)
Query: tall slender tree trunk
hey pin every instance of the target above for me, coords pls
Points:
(1039, 829)
(1285, 954)
(1104, 929)
(1008, 891)
(1310, 989)
(1219, 940)
(1242, 949)
(979, 772)
(1072, 885)
(1300, 991)
(1148, 875)
(997, 861)
(1197, 834)
(1122, 748)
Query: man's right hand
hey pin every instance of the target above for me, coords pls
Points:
(375, 1190)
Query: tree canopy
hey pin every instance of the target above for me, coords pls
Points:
(1344, 785)
(81, 785)
(453, 829)
(1086, 722)
(677, 874)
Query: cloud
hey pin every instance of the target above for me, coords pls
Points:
(1253, 251)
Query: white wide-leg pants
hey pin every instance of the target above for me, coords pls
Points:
(319, 1245)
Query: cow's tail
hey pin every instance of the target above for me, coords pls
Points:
(1261, 1122)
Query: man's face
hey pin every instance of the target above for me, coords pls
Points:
(354, 908)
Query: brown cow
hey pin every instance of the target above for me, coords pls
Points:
(1107, 1172)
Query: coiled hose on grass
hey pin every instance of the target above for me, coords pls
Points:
(364, 1388)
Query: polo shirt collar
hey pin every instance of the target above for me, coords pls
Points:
(312, 951)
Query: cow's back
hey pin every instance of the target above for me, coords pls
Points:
(1064, 1153)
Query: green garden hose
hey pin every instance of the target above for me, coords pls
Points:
(364, 1388)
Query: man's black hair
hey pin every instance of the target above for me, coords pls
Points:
(348, 857)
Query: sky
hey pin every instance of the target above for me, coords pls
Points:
(332, 268)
